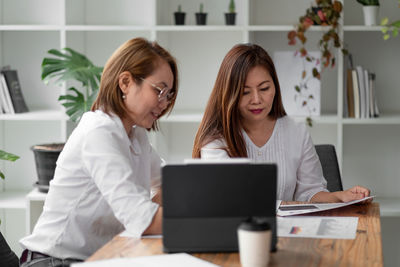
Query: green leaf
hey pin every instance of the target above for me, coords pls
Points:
(395, 24)
(386, 36)
(384, 29)
(8, 156)
(395, 32)
(309, 121)
(74, 103)
(297, 88)
(67, 65)
(315, 72)
(71, 65)
(2, 175)
(384, 21)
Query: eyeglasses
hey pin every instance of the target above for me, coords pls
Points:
(163, 93)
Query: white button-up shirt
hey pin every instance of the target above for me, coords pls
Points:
(101, 186)
(290, 146)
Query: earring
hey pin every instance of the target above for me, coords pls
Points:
(123, 96)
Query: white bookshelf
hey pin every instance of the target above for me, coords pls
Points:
(368, 149)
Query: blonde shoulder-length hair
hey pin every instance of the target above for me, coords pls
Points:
(139, 57)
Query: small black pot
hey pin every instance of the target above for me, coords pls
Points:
(230, 18)
(201, 18)
(179, 18)
(46, 156)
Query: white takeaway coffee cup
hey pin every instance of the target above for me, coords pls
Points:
(254, 243)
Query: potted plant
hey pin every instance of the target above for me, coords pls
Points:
(230, 17)
(326, 13)
(67, 65)
(201, 17)
(179, 16)
(371, 10)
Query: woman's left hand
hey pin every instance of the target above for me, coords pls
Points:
(354, 193)
(157, 198)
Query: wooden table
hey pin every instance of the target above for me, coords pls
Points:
(364, 250)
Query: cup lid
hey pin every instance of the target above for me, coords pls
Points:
(254, 225)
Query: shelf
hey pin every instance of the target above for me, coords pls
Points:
(284, 28)
(36, 195)
(107, 28)
(13, 200)
(36, 115)
(362, 28)
(176, 28)
(383, 119)
(30, 27)
(389, 206)
(17, 199)
(324, 119)
(205, 28)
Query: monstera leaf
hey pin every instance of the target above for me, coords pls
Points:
(70, 65)
(7, 156)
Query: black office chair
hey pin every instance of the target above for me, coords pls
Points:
(330, 166)
(7, 256)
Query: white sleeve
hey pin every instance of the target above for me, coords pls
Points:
(106, 157)
(156, 163)
(214, 150)
(310, 179)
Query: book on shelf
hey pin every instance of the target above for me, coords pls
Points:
(350, 94)
(7, 106)
(11, 82)
(360, 93)
(345, 102)
(367, 94)
(373, 101)
(356, 93)
(361, 89)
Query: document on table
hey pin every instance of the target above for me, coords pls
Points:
(127, 234)
(168, 260)
(318, 227)
(295, 209)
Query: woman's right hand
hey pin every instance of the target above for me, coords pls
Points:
(354, 193)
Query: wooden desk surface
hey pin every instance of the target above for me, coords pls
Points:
(364, 250)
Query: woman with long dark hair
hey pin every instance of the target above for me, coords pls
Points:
(245, 117)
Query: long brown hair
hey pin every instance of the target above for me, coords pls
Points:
(139, 57)
(222, 118)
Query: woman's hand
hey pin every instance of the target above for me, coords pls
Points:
(157, 198)
(354, 193)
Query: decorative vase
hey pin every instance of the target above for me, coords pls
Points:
(179, 18)
(370, 15)
(201, 18)
(46, 156)
(230, 18)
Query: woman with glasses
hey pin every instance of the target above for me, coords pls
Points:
(105, 173)
(245, 117)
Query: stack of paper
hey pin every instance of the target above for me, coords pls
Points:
(318, 227)
(168, 260)
(296, 209)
